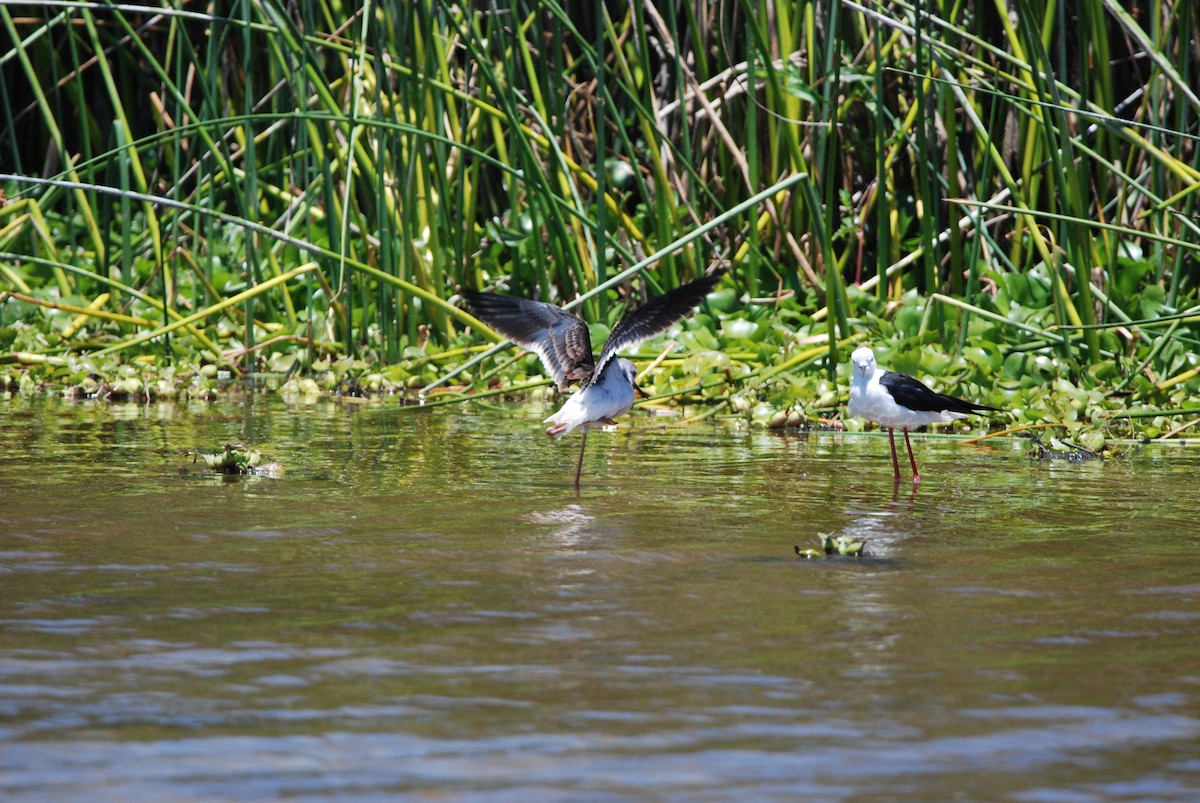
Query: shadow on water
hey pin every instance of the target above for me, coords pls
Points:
(422, 604)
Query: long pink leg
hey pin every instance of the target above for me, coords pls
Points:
(892, 441)
(911, 459)
(579, 468)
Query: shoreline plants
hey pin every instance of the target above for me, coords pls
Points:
(1002, 194)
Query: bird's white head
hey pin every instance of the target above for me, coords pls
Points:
(863, 360)
(627, 368)
(627, 372)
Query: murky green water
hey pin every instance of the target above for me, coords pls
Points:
(421, 605)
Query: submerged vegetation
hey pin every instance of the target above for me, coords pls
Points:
(1002, 195)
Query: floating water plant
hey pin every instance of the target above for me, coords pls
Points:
(234, 459)
(833, 544)
(846, 545)
(1064, 450)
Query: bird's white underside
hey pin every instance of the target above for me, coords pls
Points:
(611, 396)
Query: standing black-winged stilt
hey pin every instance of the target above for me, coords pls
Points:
(562, 341)
(898, 400)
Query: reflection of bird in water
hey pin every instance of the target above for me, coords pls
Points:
(898, 400)
(562, 341)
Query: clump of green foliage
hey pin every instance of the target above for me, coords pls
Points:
(236, 459)
(830, 544)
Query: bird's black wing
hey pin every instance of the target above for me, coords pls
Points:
(915, 395)
(654, 317)
(558, 337)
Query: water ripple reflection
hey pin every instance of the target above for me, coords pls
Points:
(423, 606)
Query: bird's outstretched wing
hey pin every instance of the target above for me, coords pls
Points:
(558, 337)
(654, 317)
(914, 394)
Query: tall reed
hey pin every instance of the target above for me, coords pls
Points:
(175, 159)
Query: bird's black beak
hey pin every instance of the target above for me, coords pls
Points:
(639, 391)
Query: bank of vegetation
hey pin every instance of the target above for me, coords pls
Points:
(1001, 195)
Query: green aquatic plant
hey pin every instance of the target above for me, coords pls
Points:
(237, 459)
(830, 544)
(1070, 452)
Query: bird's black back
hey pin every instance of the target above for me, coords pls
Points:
(916, 395)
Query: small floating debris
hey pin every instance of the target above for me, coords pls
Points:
(234, 459)
(831, 544)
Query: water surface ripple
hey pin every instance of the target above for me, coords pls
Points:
(421, 605)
